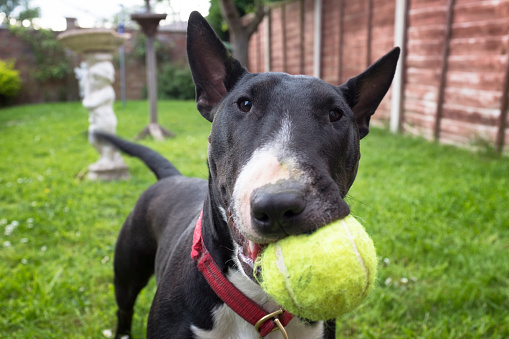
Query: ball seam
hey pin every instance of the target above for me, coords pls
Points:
(357, 254)
(281, 266)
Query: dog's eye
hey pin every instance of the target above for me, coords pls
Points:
(245, 104)
(335, 115)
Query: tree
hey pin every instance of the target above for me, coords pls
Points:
(8, 6)
(241, 27)
(29, 14)
(216, 20)
(26, 13)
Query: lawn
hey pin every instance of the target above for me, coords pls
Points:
(439, 217)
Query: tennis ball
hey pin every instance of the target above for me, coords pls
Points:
(322, 275)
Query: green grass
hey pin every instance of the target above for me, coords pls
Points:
(439, 217)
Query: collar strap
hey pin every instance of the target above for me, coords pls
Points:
(241, 304)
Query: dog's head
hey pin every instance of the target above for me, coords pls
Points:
(283, 149)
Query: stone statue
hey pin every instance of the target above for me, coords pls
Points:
(96, 75)
(99, 97)
(81, 75)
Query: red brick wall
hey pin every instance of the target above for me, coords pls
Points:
(135, 68)
(13, 48)
(356, 33)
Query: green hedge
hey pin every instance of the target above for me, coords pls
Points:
(10, 82)
(175, 83)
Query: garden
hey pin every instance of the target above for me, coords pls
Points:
(439, 217)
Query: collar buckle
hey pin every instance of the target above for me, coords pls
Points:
(274, 317)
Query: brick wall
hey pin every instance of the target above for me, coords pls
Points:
(135, 68)
(13, 48)
(466, 105)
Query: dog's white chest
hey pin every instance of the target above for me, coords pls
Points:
(229, 325)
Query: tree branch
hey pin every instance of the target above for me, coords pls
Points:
(257, 19)
(230, 14)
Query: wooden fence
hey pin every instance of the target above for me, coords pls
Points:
(455, 66)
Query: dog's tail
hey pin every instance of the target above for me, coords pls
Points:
(158, 164)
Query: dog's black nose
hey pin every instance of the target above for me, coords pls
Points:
(277, 212)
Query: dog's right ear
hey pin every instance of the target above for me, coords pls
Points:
(365, 91)
(215, 71)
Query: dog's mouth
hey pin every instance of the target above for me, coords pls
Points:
(247, 250)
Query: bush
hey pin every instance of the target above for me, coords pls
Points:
(52, 63)
(10, 82)
(175, 83)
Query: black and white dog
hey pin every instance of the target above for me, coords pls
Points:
(283, 153)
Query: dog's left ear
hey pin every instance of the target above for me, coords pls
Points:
(214, 70)
(364, 92)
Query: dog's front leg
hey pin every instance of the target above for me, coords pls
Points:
(329, 329)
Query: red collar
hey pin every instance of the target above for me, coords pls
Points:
(263, 321)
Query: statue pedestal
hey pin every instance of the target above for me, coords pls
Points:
(111, 172)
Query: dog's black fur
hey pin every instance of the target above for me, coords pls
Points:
(283, 153)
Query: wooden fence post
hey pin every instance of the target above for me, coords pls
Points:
(398, 85)
(268, 40)
(259, 49)
(444, 68)
(283, 33)
(301, 36)
(504, 103)
(340, 42)
(369, 32)
(317, 50)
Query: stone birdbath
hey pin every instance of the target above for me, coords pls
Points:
(96, 78)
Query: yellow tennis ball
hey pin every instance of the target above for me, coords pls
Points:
(322, 275)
